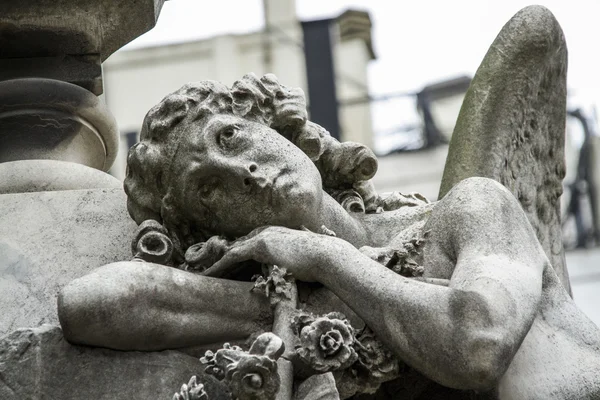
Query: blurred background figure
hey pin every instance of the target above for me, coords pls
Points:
(391, 75)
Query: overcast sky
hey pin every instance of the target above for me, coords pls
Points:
(417, 42)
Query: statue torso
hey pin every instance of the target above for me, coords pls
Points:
(559, 357)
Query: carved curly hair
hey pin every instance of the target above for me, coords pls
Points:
(345, 167)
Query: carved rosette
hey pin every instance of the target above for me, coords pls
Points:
(253, 377)
(325, 343)
(250, 375)
(359, 361)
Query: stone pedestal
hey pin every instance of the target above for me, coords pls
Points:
(38, 363)
(61, 216)
(50, 119)
(50, 74)
(28, 176)
(47, 239)
(67, 40)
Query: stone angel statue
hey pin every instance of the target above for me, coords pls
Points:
(464, 298)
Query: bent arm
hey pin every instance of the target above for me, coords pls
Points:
(464, 335)
(142, 306)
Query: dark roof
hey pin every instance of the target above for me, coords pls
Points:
(447, 88)
(355, 24)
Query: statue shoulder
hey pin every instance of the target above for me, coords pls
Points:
(477, 197)
(476, 209)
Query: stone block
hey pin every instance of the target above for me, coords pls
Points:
(38, 363)
(54, 120)
(47, 239)
(39, 28)
(50, 175)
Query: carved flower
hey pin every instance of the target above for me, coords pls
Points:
(326, 343)
(250, 375)
(253, 377)
(217, 363)
(375, 365)
(376, 358)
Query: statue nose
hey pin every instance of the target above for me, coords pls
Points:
(249, 175)
(254, 179)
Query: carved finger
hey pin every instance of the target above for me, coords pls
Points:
(201, 256)
(251, 235)
(232, 257)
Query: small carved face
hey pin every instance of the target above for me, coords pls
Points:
(233, 175)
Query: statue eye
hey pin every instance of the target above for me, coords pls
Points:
(226, 134)
(207, 189)
(204, 191)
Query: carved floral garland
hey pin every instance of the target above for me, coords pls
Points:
(359, 361)
(250, 375)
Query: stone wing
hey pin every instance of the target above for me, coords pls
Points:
(511, 125)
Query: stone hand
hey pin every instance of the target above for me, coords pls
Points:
(300, 252)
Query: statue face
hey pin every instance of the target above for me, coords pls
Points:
(234, 175)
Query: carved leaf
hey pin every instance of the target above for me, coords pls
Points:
(276, 286)
(318, 387)
(192, 391)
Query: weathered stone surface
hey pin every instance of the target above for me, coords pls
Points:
(48, 239)
(511, 126)
(50, 27)
(50, 175)
(318, 387)
(38, 363)
(68, 40)
(50, 119)
(460, 291)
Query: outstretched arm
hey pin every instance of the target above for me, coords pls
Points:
(144, 306)
(462, 336)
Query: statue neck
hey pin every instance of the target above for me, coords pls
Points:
(335, 218)
(360, 229)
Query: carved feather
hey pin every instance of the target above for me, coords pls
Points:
(511, 125)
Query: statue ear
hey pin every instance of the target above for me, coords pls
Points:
(143, 182)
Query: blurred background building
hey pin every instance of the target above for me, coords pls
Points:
(403, 104)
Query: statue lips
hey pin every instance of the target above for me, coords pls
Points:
(270, 184)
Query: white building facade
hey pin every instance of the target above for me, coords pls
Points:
(136, 80)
